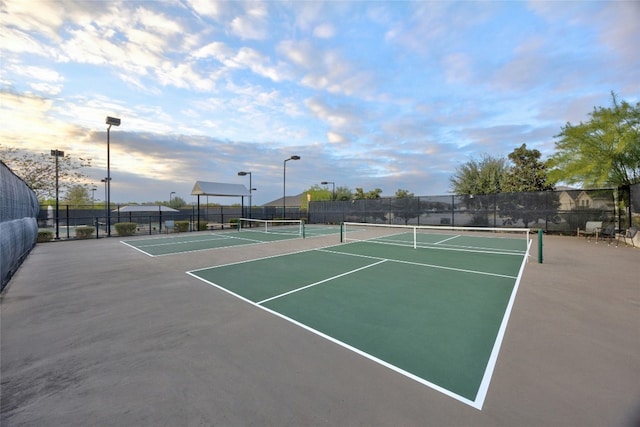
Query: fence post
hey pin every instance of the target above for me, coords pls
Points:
(539, 246)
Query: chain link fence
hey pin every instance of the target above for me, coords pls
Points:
(560, 212)
(18, 229)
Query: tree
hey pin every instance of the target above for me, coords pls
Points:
(406, 205)
(400, 193)
(527, 172)
(177, 202)
(603, 151)
(78, 195)
(526, 182)
(482, 176)
(39, 170)
(315, 193)
(343, 193)
(373, 194)
(476, 178)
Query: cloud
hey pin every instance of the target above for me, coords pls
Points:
(326, 70)
(253, 24)
(457, 68)
(371, 94)
(324, 31)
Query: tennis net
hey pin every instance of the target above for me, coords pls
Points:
(481, 239)
(277, 226)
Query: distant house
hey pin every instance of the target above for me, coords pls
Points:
(290, 202)
(581, 199)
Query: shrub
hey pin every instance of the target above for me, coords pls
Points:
(85, 232)
(126, 228)
(202, 226)
(182, 226)
(45, 236)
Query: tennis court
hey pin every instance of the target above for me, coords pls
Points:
(430, 305)
(250, 232)
(94, 330)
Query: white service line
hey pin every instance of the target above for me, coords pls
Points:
(322, 281)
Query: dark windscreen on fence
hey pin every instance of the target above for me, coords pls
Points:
(561, 212)
(18, 227)
(553, 211)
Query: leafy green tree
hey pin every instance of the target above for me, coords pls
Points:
(400, 193)
(476, 178)
(526, 182)
(373, 194)
(316, 193)
(527, 172)
(77, 196)
(176, 202)
(38, 170)
(343, 193)
(603, 151)
(406, 205)
(482, 176)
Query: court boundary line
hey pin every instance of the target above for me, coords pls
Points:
(420, 264)
(261, 258)
(293, 291)
(440, 247)
(343, 344)
(253, 242)
(139, 250)
(483, 388)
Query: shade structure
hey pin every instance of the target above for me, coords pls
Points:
(220, 189)
(145, 208)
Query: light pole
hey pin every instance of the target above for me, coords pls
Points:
(250, 190)
(105, 195)
(111, 121)
(171, 194)
(284, 186)
(93, 197)
(333, 192)
(56, 154)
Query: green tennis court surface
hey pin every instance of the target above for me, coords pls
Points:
(191, 242)
(437, 316)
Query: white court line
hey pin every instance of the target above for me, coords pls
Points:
(172, 243)
(472, 249)
(420, 264)
(251, 241)
(343, 344)
(320, 282)
(137, 249)
(488, 373)
(477, 403)
(446, 240)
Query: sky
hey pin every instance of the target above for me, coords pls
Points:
(370, 94)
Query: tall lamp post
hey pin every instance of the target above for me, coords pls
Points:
(284, 186)
(111, 121)
(333, 192)
(56, 154)
(105, 196)
(171, 194)
(93, 197)
(250, 190)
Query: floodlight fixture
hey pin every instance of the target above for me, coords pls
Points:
(111, 121)
(284, 186)
(56, 154)
(333, 192)
(243, 173)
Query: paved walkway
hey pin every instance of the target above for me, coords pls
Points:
(95, 333)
